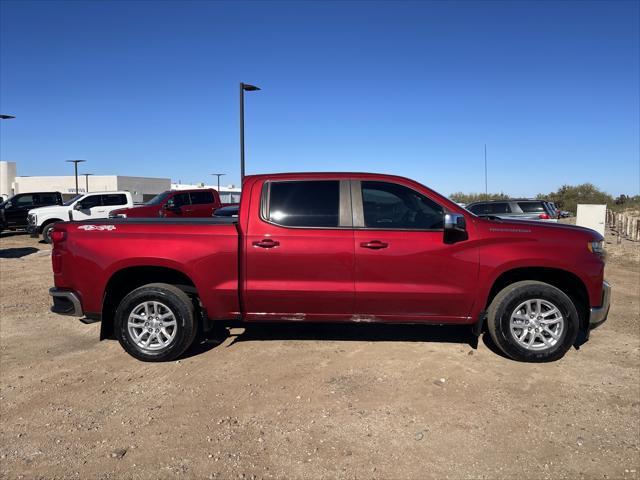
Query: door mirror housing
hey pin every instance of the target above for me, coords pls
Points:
(78, 206)
(455, 228)
(171, 205)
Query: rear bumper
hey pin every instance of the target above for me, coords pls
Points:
(65, 302)
(597, 316)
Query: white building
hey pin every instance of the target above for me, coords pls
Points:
(228, 194)
(141, 188)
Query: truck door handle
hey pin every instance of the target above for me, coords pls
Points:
(374, 245)
(266, 243)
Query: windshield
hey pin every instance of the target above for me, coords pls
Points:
(158, 199)
(71, 200)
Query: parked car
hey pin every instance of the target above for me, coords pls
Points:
(522, 209)
(14, 210)
(228, 211)
(175, 203)
(86, 206)
(332, 247)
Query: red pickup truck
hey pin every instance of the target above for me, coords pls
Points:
(332, 247)
(200, 202)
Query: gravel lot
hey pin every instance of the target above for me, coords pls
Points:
(360, 401)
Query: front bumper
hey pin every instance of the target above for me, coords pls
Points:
(598, 315)
(32, 228)
(65, 302)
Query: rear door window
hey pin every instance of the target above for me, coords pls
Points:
(47, 199)
(305, 203)
(493, 208)
(531, 207)
(500, 207)
(114, 199)
(199, 198)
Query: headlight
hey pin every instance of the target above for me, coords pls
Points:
(596, 247)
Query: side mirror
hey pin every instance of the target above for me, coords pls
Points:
(171, 205)
(455, 228)
(78, 206)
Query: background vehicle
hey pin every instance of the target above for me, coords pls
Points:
(175, 203)
(228, 211)
(82, 207)
(14, 211)
(332, 248)
(521, 209)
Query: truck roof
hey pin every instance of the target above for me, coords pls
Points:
(306, 175)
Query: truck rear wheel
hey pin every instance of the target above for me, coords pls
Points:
(533, 321)
(155, 322)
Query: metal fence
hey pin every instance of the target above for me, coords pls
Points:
(625, 225)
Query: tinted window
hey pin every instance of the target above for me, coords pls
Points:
(91, 201)
(158, 199)
(114, 199)
(305, 204)
(531, 207)
(22, 201)
(47, 199)
(180, 199)
(388, 205)
(493, 208)
(201, 197)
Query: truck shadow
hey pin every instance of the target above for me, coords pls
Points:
(460, 334)
(17, 252)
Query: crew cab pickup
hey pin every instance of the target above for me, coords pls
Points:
(332, 247)
(14, 211)
(201, 202)
(81, 207)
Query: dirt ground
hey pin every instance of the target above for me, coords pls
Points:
(352, 402)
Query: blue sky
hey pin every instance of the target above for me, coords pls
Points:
(414, 88)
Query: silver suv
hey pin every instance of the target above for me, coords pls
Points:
(518, 209)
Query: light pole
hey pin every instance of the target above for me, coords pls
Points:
(219, 175)
(249, 88)
(75, 167)
(86, 181)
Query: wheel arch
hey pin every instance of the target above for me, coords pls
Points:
(49, 221)
(128, 279)
(568, 282)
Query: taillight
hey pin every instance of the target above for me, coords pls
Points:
(544, 216)
(58, 236)
(56, 262)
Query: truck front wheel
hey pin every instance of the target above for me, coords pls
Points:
(46, 232)
(533, 321)
(155, 322)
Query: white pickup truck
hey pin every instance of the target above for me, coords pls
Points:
(88, 206)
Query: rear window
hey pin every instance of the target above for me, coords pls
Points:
(305, 203)
(201, 197)
(531, 207)
(114, 199)
(47, 199)
(494, 208)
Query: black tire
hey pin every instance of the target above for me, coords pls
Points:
(504, 305)
(46, 232)
(170, 297)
